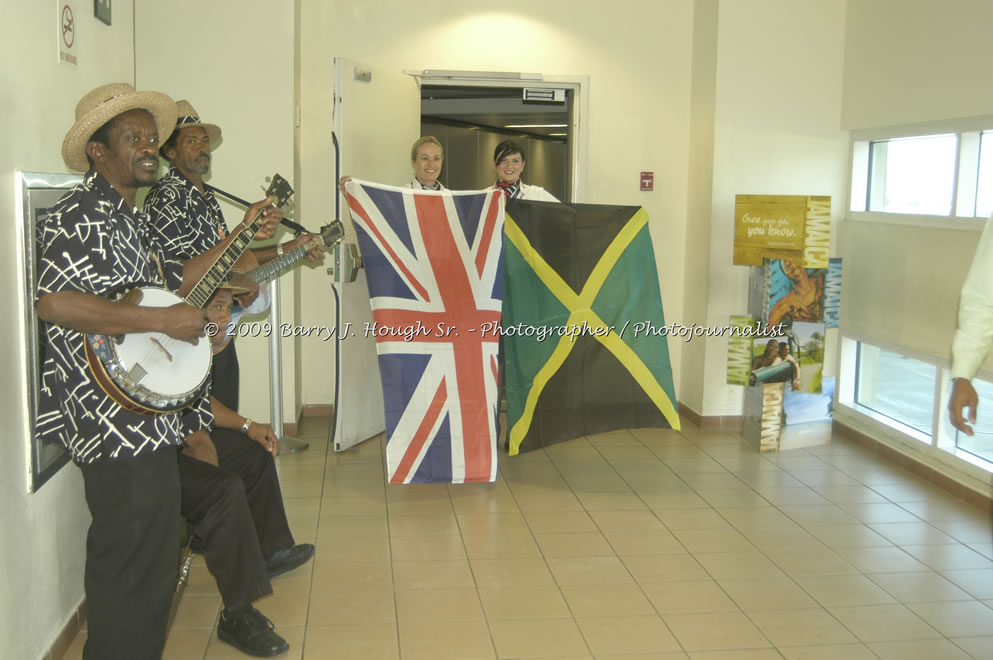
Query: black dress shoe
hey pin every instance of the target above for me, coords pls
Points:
(288, 558)
(251, 633)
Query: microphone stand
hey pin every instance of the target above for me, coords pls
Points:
(287, 445)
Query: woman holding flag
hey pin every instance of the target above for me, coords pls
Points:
(509, 161)
(427, 157)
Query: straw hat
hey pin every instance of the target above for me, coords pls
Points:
(103, 104)
(187, 116)
(235, 289)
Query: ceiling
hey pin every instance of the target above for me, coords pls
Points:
(493, 107)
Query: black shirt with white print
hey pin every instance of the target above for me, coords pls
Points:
(189, 222)
(93, 242)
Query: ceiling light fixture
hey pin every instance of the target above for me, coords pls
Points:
(536, 125)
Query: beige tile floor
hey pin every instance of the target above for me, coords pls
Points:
(628, 545)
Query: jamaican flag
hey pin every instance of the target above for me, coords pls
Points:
(580, 289)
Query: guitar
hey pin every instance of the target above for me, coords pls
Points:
(330, 235)
(151, 373)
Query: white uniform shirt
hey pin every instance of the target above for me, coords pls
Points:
(417, 185)
(529, 192)
(974, 336)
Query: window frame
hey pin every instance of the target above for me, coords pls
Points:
(968, 132)
(940, 445)
(878, 414)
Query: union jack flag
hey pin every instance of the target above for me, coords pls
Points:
(435, 273)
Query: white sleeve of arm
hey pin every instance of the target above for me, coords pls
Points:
(974, 335)
(544, 196)
(261, 302)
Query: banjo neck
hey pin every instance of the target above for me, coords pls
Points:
(200, 295)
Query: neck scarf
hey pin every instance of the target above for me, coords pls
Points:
(511, 190)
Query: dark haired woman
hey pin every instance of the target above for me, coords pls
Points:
(509, 161)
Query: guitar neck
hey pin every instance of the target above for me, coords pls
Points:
(270, 268)
(218, 271)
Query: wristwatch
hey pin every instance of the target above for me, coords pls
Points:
(244, 427)
(279, 250)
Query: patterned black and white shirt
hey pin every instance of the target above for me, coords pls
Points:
(93, 242)
(189, 222)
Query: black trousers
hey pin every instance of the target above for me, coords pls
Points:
(132, 554)
(237, 511)
(249, 460)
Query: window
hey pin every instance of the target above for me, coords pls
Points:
(946, 173)
(913, 175)
(897, 387)
(909, 395)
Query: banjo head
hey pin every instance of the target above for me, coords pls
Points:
(152, 369)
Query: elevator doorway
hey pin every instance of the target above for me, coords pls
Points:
(470, 119)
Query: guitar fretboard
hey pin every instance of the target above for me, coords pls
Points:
(270, 268)
(330, 234)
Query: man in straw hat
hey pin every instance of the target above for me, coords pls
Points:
(184, 210)
(94, 242)
(235, 506)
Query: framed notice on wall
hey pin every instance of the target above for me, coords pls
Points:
(102, 10)
(39, 192)
(67, 33)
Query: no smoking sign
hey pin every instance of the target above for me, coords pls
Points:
(67, 34)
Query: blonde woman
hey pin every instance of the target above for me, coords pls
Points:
(427, 157)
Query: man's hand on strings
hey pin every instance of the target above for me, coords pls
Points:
(270, 216)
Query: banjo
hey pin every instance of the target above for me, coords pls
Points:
(150, 373)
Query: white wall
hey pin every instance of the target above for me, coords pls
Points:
(777, 131)
(314, 168)
(42, 536)
(637, 57)
(700, 192)
(909, 61)
(233, 60)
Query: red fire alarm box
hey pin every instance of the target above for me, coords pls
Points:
(648, 181)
